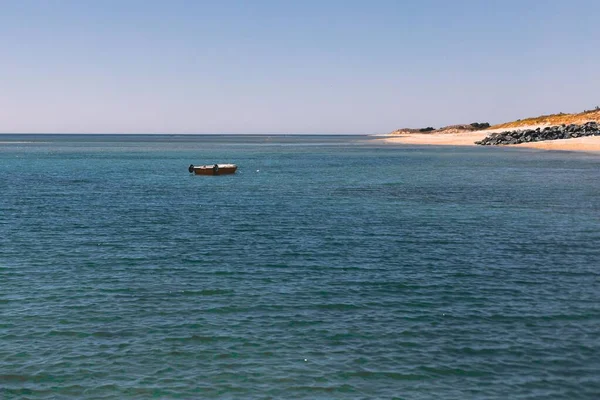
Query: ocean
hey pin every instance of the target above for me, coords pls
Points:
(327, 267)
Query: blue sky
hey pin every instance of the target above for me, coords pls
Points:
(307, 66)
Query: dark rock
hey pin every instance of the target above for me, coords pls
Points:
(549, 133)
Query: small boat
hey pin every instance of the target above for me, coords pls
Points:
(214, 169)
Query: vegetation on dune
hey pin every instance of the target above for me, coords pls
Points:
(554, 119)
(480, 125)
(543, 120)
(475, 126)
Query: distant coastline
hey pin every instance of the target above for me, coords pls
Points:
(468, 134)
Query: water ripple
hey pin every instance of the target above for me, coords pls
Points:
(339, 271)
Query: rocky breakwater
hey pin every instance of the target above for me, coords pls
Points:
(538, 135)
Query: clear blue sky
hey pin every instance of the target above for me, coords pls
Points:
(259, 66)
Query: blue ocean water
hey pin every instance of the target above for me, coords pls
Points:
(328, 267)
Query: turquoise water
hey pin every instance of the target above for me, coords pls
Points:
(326, 268)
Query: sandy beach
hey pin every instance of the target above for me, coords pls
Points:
(437, 139)
(587, 144)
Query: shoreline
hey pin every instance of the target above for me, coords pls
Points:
(581, 144)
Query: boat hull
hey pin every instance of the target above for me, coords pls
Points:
(214, 169)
